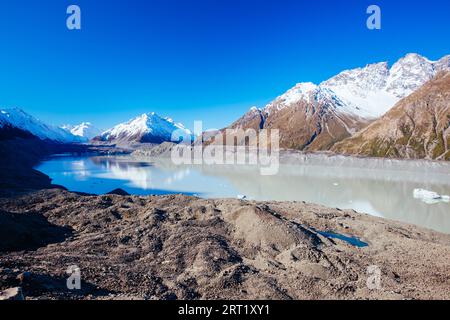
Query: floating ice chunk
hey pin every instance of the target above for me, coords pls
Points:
(430, 197)
(425, 194)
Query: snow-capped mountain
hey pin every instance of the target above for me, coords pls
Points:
(17, 119)
(84, 130)
(417, 127)
(371, 91)
(376, 88)
(310, 93)
(147, 128)
(314, 117)
(308, 117)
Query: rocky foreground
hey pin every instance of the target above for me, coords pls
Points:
(179, 247)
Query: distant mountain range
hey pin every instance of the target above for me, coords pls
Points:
(16, 122)
(84, 130)
(314, 117)
(399, 111)
(146, 128)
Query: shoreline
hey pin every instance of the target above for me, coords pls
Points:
(288, 156)
(340, 177)
(181, 247)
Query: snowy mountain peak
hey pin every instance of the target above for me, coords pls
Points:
(305, 87)
(19, 119)
(255, 109)
(443, 64)
(408, 74)
(371, 77)
(414, 58)
(84, 130)
(370, 91)
(301, 91)
(148, 127)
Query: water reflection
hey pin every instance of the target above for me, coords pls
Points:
(378, 190)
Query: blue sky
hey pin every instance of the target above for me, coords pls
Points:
(207, 60)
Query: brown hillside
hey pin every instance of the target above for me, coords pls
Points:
(416, 128)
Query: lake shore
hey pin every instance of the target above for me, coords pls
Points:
(180, 247)
(290, 156)
(379, 188)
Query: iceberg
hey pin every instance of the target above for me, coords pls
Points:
(430, 197)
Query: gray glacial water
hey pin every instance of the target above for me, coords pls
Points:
(377, 187)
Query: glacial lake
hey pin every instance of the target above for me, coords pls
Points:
(384, 189)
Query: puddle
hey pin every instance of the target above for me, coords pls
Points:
(351, 240)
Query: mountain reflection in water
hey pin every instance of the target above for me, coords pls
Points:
(382, 190)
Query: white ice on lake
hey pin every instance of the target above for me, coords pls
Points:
(430, 197)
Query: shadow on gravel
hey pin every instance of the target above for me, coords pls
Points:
(28, 231)
(44, 286)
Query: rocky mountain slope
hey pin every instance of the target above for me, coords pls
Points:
(314, 117)
(147, 128)
(314, 122)
(417, 127)
(179, 247)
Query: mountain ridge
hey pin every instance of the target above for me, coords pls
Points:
(18, 121)
(314, 117)
(418, 126)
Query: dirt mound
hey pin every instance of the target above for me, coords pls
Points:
(179, 247)
(262, 228)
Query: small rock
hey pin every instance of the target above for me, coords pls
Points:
(12, 294)
(119, 192)
(23, 277)
(125, 240)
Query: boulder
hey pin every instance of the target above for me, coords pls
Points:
(12, 294)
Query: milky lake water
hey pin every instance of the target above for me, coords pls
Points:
(382, 190)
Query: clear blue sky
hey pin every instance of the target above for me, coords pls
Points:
(209, 60)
